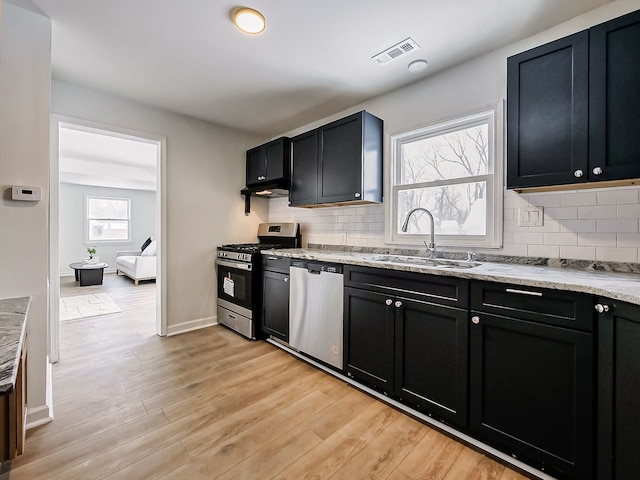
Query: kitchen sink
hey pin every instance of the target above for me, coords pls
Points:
(423, 261)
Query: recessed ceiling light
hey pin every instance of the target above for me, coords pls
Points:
(249, 20)
(418, 66)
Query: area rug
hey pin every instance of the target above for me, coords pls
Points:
(82, 306)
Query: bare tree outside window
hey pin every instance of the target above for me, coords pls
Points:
(443, 168)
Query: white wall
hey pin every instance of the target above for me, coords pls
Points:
(25, 76)
(204, 174)
(72, 211)
(602, 224)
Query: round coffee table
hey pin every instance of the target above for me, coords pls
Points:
(88, 273)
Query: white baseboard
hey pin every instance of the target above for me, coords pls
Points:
(191, 325)
(43, 414)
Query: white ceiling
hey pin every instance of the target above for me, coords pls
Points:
(313, 60)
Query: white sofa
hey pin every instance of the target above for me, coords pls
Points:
(137, 265)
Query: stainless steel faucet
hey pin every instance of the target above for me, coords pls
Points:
(431, 246)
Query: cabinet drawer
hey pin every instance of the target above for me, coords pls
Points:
(428, 288)
(274, 263)
(552, 307)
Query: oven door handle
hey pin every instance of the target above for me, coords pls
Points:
(232, 264)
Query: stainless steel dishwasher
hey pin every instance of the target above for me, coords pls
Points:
(316, 304)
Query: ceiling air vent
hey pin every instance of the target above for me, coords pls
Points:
(406, 46)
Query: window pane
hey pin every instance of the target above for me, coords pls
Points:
(457, 209)
(108, 230)
(108, 208)
(457, 154)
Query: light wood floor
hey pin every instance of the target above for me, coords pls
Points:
(210, 404)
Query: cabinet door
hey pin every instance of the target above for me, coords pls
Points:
(255, 165)
(614, 99)
(304, 169)
(340, 160)
(368, 338)
(619, 391)
(547, 114)
(431, 359)
(275, 315)
(276, 159)
(531, 392)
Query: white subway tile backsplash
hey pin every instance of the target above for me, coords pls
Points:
(617, 254)
(621, 225)
(618, 197)
(597, 239)
(561, 213)
(599, 224)
(560, 238)
(629, 240)
(579, 225)
(600, 211)
(629, 211)
(579, 253)
(574, 199)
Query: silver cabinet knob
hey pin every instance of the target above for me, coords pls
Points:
(398, 304)
(475, 320)
(578, 173)
(388, 301)
(600, 308)
(357, 195)
(597, 171)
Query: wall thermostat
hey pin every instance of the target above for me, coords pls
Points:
(25, 193)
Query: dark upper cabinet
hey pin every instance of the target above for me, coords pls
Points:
(531, 376)
(547, 113)
(614, 99)
(269, 162)
(304, 174)
(346, 165)
(618, 390)
(572, 108)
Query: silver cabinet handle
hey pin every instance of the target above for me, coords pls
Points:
(357, 195)
(475, 320)
(524, 292)
(398, 304)
(597, 171)
(388, 301)
(578, 173)
(600, 308)
(286, 279)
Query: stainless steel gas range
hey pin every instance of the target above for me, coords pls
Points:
(240, 277)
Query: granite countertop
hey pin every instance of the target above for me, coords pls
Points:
(615, 285)
(13, 329)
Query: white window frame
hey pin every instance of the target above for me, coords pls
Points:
(494, 116)
(87, 239)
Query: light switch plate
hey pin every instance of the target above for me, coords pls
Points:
(530, 216)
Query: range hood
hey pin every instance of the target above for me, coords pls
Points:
(276, 188)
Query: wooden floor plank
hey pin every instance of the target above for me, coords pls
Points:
(210, 404)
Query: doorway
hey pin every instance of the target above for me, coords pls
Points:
(88, 159)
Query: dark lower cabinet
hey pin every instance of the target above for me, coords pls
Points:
(275, 291)
(409, 348)
(532, 383)
(618, 391)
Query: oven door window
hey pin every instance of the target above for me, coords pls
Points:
(234, 286)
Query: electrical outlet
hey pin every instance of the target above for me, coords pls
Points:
(343, 238)
(530, 216)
